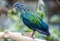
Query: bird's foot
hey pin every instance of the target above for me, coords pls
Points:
(32, 37)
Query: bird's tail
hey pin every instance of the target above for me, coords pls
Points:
(47, 33)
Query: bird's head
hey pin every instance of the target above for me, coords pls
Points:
(18, 5)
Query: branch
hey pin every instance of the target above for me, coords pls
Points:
(1, 35)
(16, 36)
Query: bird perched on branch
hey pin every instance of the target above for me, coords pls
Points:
(32, 21)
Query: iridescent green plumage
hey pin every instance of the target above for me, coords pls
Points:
(32, 21)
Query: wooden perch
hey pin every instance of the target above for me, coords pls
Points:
(16, 36)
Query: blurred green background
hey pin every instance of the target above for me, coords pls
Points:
(49, 11)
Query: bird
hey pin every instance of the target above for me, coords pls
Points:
(31, 20)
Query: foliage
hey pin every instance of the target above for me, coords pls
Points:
(41, 10)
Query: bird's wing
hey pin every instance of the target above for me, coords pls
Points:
(36, 21)
(43, 24)
(33, 19)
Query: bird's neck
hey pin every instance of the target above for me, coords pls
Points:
(22, 11)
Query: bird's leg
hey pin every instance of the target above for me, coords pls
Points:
(32, 36)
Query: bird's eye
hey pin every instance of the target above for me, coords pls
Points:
(18, 6)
